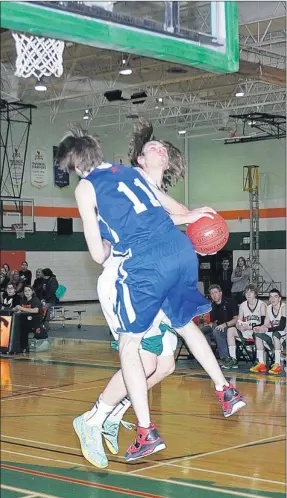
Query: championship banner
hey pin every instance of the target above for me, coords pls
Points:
(39, 169)
(61, 178)
(16, 164)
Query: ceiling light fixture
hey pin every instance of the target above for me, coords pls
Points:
(181, 132)
(125, 70)
(40, 86)
(239, 92)
(87, 114)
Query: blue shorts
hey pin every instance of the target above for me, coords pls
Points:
(164, 276)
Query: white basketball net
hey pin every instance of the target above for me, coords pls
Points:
(38, 56)
(20, 230)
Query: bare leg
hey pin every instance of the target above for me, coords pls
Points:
(231, 334)
(165, 367)
(116, 389)
(277, 349)
(134, 376)
(259, 349)
(201, 350)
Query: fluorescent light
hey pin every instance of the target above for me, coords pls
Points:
(239, 92)
(87, 114)
(181, 132)
(40, 86)
(126, 71)
(160, 99)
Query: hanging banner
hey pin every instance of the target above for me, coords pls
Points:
(16, 165)
(61, 178)
(39, 168)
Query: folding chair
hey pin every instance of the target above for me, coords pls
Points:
(245, 349)
(186, 356)
(200, 321)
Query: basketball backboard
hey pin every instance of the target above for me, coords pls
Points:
(16, 214)
(199, 34)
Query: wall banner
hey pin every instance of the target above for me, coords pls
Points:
(61, 178)
(39, 168)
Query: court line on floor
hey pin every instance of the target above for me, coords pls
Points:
(138, 470)
(14, 398)
(5, 436)
(111, 366)
(133, 493)
(26, 491)
(269, 481)
(45, 458)
(30, 496)
(55, 389)
(82, 389)
(200, 455)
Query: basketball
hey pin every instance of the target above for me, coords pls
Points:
(208, 236)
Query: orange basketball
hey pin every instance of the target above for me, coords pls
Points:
(208, 236)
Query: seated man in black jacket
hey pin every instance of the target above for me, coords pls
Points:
(223, 316)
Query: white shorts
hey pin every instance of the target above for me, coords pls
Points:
(106, 290)
(248, 334)
(169, 343)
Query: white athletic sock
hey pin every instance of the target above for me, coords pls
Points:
(260, 355)
(220, 388)
(119, 411)
(277, 356)
(98, 413)
(232, 352)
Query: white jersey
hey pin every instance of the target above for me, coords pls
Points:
(252, 316)
(274, 318)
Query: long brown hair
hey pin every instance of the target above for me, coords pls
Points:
(79, 150)
(142, 134)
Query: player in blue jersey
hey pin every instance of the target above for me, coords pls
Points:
(159, 270)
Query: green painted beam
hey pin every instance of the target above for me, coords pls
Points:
(49, 241)
(46, 21)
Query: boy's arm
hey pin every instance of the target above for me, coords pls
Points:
(87, 205)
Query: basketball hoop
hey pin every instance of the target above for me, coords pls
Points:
(38, 56)
(19, 229)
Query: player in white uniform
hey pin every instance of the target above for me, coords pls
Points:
(156, 351)
(251, 314)
(274, 328)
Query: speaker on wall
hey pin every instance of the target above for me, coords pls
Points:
(64, 226)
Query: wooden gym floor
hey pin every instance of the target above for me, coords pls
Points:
(207, 456)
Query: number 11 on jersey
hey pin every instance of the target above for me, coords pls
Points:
(139, 206)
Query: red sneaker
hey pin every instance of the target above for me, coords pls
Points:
(148, 441)
(230, 400)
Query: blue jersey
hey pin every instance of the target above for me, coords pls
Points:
(129, 214)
